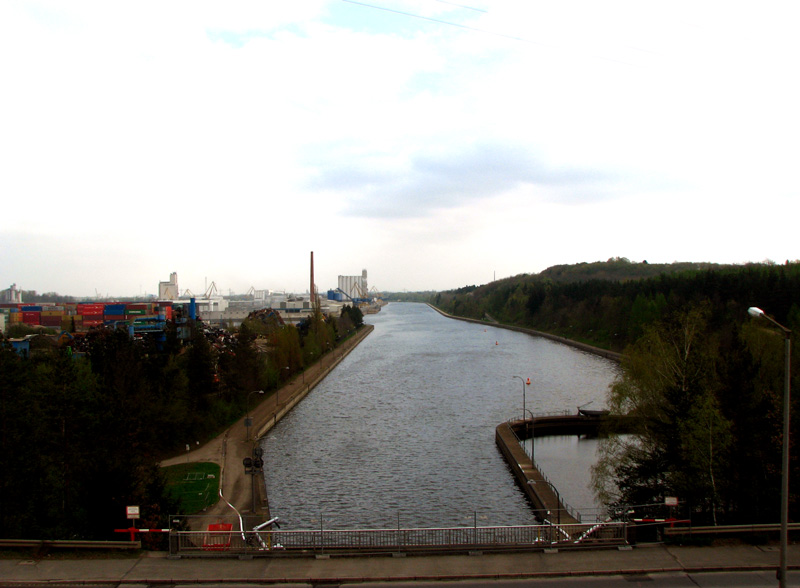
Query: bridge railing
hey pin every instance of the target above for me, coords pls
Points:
(233, 542)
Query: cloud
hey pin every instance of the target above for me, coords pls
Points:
(262, 123)
(427, 180)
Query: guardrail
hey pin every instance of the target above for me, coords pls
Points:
(69, 544)
(729, 529)
(232, 542)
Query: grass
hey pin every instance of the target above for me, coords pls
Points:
(195, 485)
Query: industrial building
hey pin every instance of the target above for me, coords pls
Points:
(354, 287)
(211, 306)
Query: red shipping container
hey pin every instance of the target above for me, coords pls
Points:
(51, 321)
(31, 317)
(114, 317)
(92, 322)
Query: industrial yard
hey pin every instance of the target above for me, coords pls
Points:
(172, 303)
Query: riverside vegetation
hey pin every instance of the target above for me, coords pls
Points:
(81, 434)
(706, 380)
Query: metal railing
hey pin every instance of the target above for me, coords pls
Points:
(574, 512)
(236, 542)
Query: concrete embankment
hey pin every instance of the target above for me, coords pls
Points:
(612, 355)
(536, 487)
(542, 495)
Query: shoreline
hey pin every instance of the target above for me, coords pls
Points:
(612, 355)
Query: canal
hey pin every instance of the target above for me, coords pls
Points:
(401, 433)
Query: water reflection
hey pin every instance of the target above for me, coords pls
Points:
(403, 429)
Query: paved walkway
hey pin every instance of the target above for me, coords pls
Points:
(156, 568)
(243, 493)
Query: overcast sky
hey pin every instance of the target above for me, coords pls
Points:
(435, 144)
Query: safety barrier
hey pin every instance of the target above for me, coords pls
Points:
(195, 543)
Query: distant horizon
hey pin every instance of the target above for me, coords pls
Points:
(323, 291)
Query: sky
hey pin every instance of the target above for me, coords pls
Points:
(436, 144)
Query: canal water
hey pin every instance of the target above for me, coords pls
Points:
(401, 433)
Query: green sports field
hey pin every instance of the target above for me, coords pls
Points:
(195, 485)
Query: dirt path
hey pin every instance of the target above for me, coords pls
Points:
(243, 494)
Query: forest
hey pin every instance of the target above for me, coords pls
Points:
(704, 378)
(84, 426)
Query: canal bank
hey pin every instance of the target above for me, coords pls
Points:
(612, 355)
(244, 494)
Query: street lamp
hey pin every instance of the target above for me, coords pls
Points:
(524, 383)
(524, 410)
(247, 420)
(757, 312)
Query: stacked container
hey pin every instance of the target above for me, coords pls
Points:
(92, 314)
(52, 316)
(114, 312)
(32, 317)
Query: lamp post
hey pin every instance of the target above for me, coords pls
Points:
(757, 312)
(525, 383)
(247, 420)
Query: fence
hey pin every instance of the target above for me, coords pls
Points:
(575, 513)
(224, 539)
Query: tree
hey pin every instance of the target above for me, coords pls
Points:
(354, 314)
(669, 383)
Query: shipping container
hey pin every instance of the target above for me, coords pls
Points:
(52, 313)
(31, 317)
(51, 321)
(31, 308)
(136, 311)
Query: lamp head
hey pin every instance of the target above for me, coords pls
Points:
(755, 311)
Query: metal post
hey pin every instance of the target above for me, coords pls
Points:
(757, 312)
(785, 468)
